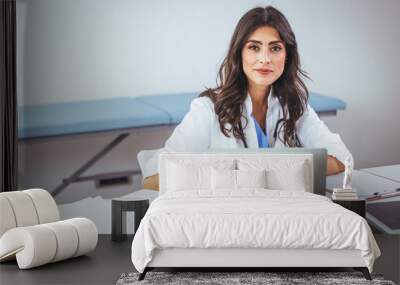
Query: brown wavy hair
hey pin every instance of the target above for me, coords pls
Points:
(231, 91)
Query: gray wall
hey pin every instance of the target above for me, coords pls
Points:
(90, 49)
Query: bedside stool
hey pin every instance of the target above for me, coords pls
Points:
(357, 206)
(119, 207)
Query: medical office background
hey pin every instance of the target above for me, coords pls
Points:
(72, 50)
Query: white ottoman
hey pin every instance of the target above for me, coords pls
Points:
(31, 232)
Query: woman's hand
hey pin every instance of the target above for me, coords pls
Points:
(333, 166)
(151, 182)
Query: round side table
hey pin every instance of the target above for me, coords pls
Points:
(119, 207)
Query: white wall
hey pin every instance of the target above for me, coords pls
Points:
(90, 49)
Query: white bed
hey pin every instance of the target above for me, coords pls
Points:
(193, 223)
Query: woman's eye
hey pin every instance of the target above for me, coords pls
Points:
(255, 48)
(276, 48)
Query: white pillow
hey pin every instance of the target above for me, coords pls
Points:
(227, 179)
(251, 178)
(183, 177)
(223, 179)
(295, 178)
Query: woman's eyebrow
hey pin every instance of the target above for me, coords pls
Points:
(254, 41)
(275, 42)
(260, 43)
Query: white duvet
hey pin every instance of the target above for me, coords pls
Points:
(250, 219)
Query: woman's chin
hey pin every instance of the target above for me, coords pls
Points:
(263, 82)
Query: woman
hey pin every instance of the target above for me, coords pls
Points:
(260, 100)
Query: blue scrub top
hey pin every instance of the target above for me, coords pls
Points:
(262, 137)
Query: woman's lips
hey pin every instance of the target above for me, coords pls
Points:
(264, 71)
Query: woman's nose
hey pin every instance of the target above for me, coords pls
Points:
(264, 57)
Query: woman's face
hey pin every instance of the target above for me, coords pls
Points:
(263, 57)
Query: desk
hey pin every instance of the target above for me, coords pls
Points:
(379, 186)
(120, 115)
(383, 205)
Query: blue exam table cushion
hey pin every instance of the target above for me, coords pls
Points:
(87, 116)
(176, 105)
(321, 103)
(121, 113)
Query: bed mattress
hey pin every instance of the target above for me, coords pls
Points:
(250, 219)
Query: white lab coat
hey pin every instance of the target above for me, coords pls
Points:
(200, 130)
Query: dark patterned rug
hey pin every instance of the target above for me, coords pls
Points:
(229, 278)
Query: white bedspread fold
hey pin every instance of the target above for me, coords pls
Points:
(252, 218)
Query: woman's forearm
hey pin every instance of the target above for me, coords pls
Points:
(333, 166)
(151, 182)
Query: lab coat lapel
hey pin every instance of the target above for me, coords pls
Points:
(273, 115)
(250, 129)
